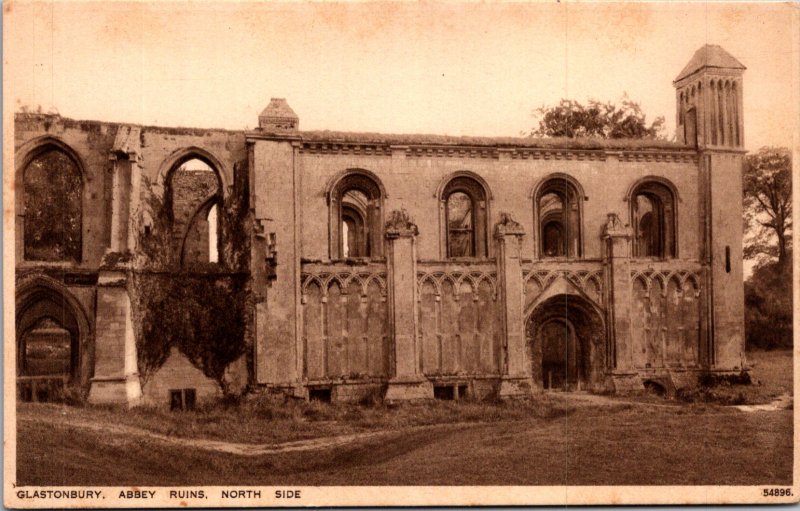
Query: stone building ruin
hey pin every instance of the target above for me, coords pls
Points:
(360, 264)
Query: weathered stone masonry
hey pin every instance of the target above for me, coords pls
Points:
(398, 266)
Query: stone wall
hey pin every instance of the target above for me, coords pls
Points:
(90, 143)
(345, 324)
(178, 373)
(460, 321)
(665, 320)
(318, 321)
(412, 182)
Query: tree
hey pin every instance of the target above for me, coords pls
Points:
(572, 119)
(767, 186)
(768, 307)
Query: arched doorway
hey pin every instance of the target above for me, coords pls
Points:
(562, 356)
(50, 335)
(565, 336)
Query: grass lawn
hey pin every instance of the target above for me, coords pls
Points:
(551, 440)
(772, 374)
(592, 445)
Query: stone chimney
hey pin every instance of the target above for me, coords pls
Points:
(278, 116)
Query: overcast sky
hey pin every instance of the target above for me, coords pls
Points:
(447, 68)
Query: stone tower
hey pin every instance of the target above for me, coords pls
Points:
(709, 117)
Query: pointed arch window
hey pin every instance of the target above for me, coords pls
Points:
(195, 196)
(53, 194)
(558, 213)
(356, 226)
(465, 218)
(653, 220)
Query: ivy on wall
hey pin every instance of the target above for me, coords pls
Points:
(204, 315)
(203, 309)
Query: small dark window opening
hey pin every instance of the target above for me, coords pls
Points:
(444, 392)
(690, 128)
(182, 399)
(175, 400)
(189, 399)
(462, 391)
(322, 394)
(727, 259)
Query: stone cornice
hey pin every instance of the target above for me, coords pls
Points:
(478, 151)
(425, 151)
(656, 156)
(344, 148)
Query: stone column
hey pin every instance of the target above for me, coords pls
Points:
(407, 380)
(116, 375)
(120, 204)
(125, 188)
(116, 371)
(516, 380)
(619, 300)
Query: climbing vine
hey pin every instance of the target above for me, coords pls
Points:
(202, 310)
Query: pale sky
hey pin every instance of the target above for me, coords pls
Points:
(430, 67)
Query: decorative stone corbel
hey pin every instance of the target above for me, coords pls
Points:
(508, 226)
(400, 225)
(615, 228)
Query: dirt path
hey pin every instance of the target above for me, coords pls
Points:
(243, 449)
(239, 448)
(783, 402)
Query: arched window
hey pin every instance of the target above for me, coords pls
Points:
(465, 218)
(195, 194)
(356, 217)
(653, 220)
(53, 191)
(355, 240)
(558, 213)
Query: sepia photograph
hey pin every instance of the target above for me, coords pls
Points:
(397, 253)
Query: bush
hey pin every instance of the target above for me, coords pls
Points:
(768, 307)
(714, 380)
